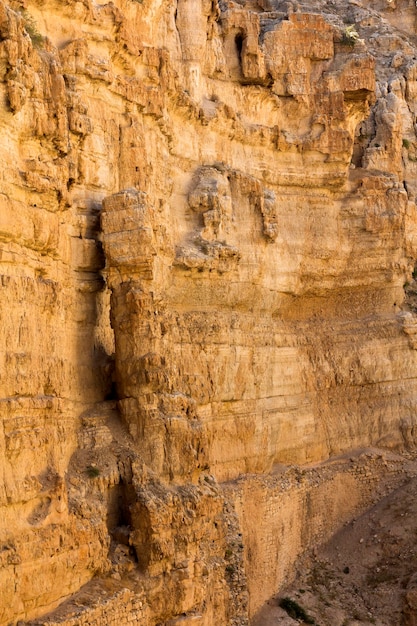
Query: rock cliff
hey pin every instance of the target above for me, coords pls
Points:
(208, 236)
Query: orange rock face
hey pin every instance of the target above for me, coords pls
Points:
(208, 239)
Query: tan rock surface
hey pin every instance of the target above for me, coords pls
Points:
(208, 238)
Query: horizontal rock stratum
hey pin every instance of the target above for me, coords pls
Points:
(208, 242)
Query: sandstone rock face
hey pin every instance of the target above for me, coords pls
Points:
(208, 239)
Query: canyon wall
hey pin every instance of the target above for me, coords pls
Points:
(208, 243)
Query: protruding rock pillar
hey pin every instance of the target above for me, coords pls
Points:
(159, 412)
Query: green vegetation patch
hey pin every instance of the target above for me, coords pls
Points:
(295, 611)
(32, 29)
(92, 471)
(350, 35)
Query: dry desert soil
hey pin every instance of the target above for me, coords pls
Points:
(365, 575)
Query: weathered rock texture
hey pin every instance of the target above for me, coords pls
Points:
(208, 238)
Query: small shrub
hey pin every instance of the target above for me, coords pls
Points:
(378, 578)
(32, 29)
(295, 611)
(406, 144)
(92, 471)
(350, 35)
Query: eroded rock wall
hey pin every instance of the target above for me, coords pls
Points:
(208, 236)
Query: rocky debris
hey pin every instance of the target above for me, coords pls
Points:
(365, 574)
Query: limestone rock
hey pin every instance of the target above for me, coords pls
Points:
(208, 239)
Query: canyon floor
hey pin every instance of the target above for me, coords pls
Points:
(366, 574)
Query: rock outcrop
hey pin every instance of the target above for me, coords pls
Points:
(208, 236)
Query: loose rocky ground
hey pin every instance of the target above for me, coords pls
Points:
(365, 575)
